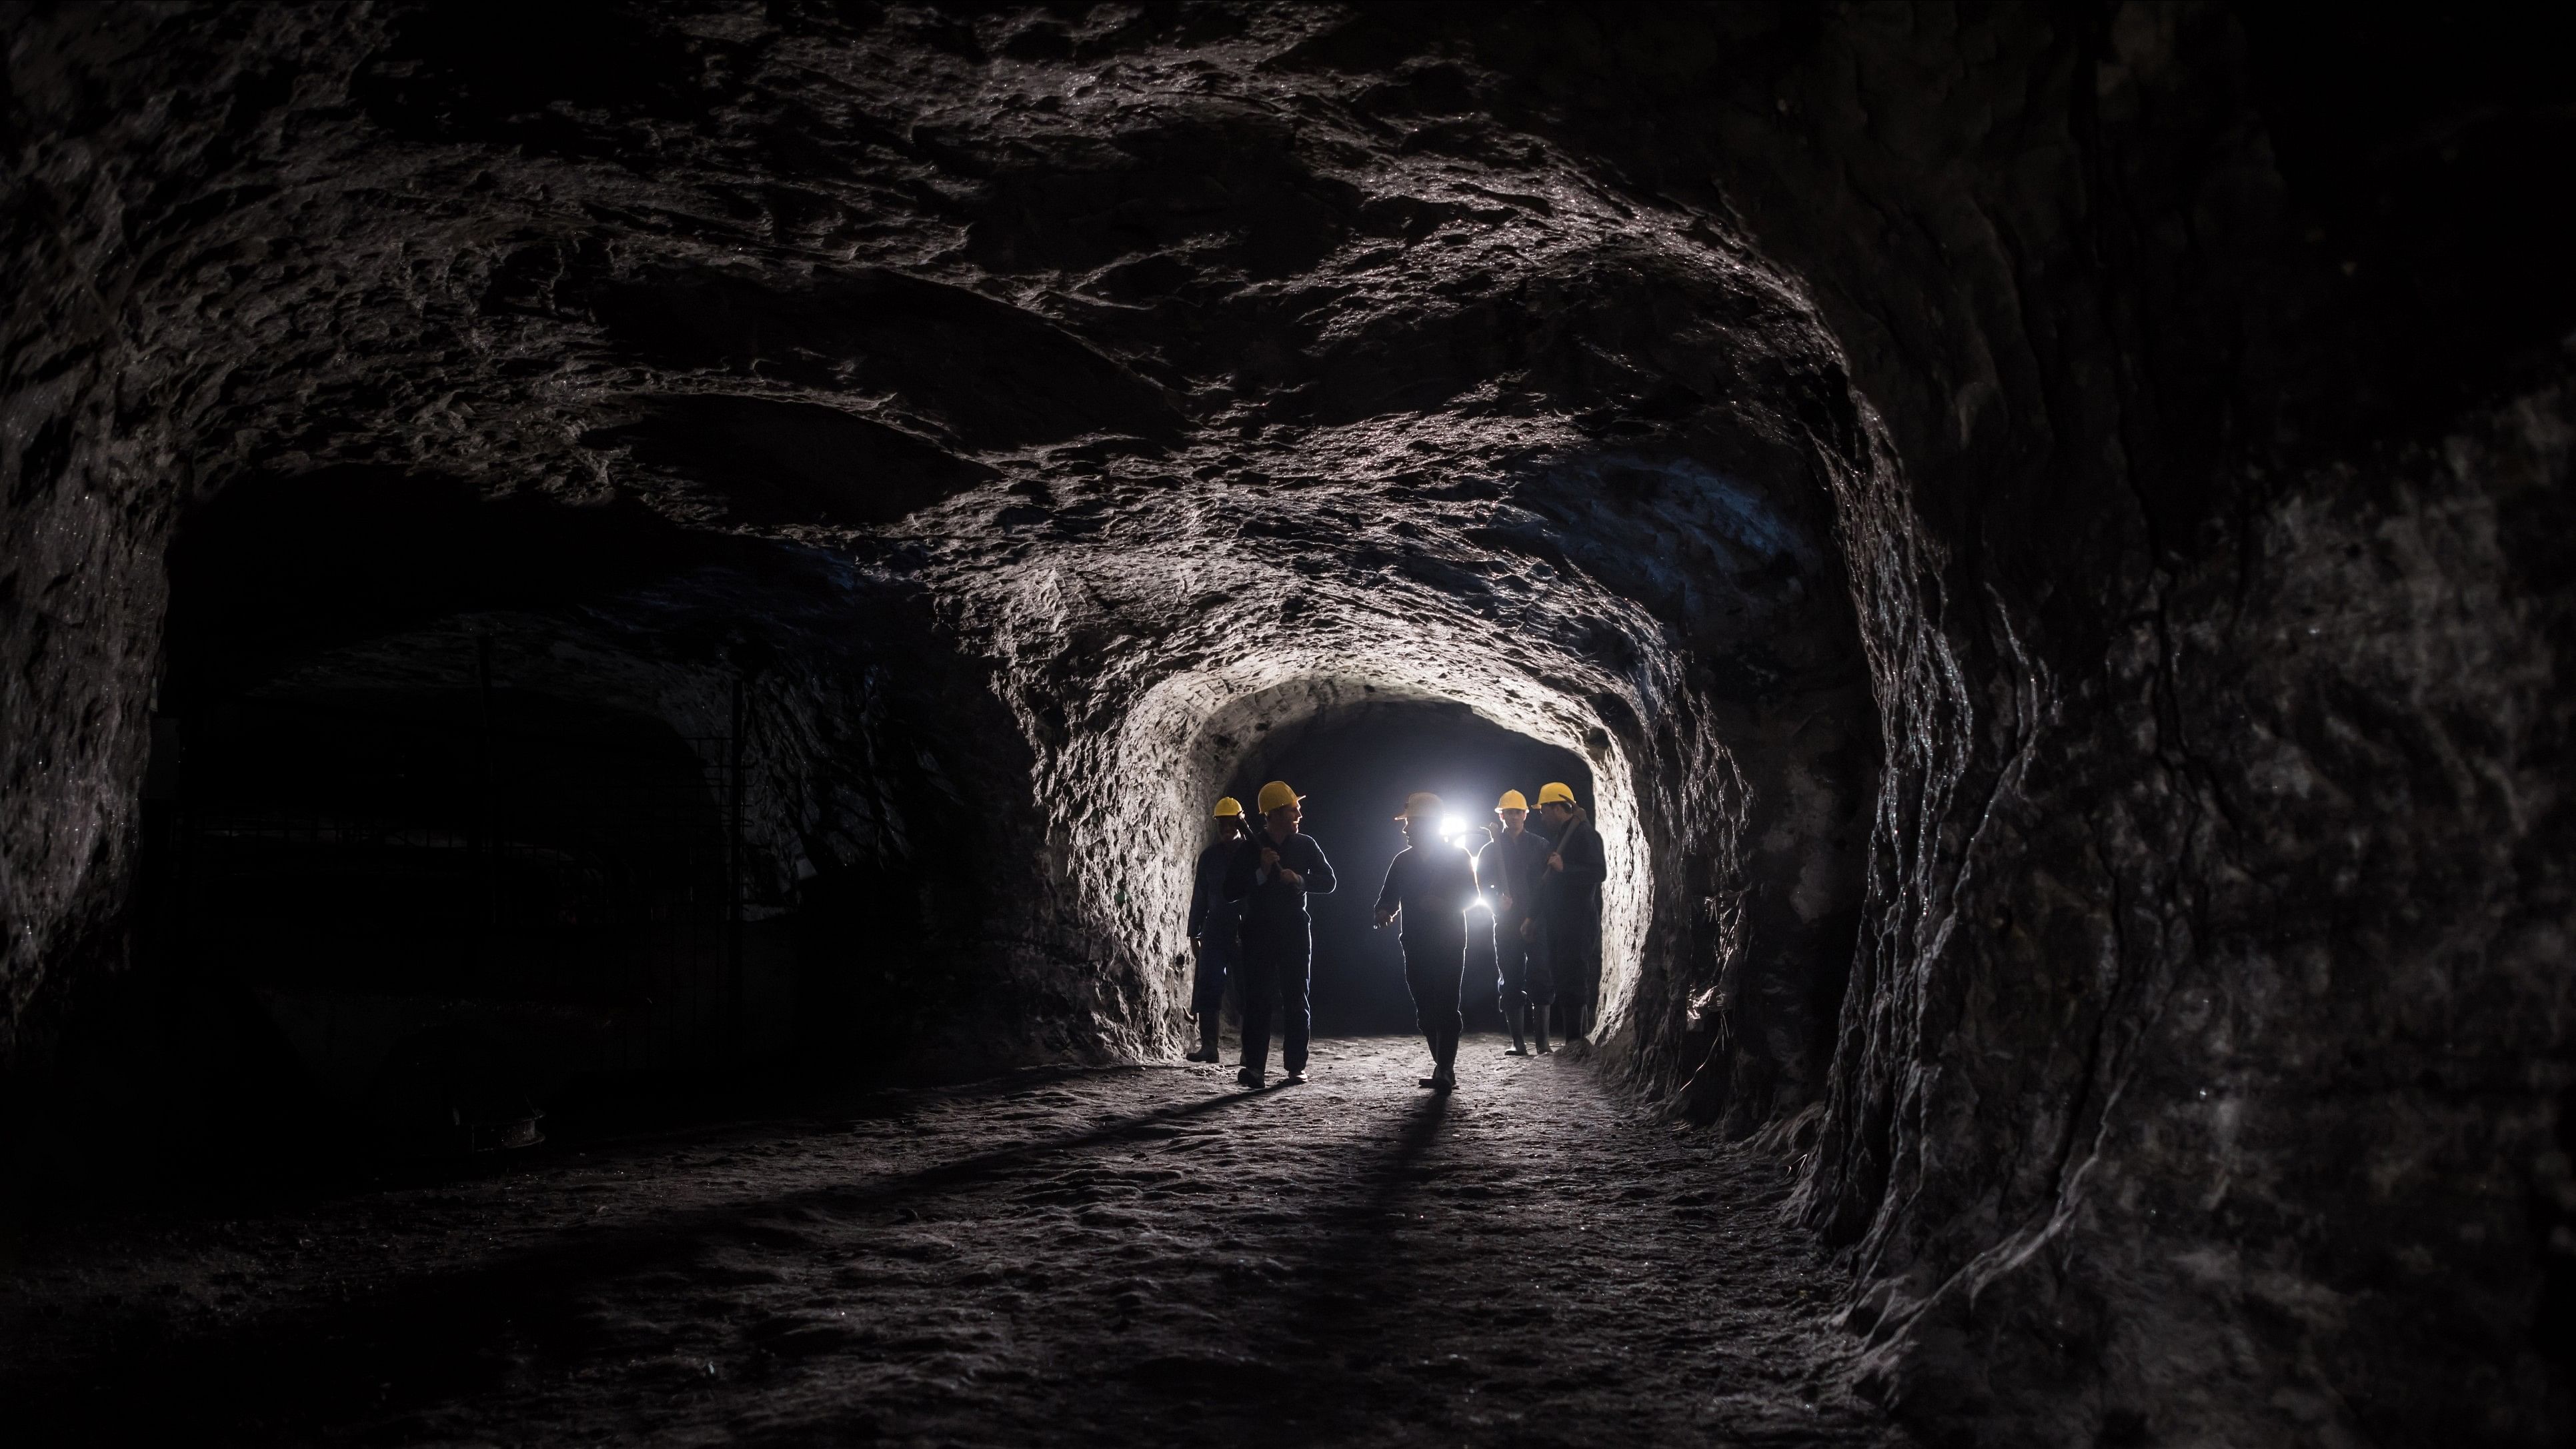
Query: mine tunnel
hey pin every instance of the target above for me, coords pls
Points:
(624, 624)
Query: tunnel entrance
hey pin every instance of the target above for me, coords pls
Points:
(1355, 765)
(495, 844)
(446, 905)
(459, 847)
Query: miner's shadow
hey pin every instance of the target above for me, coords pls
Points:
(1363, 1239)
(1288, 1376)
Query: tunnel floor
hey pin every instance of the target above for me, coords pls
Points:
(1124, 1255)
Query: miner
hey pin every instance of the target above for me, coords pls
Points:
(1431, 883)
(1564, 927)
(1507, 876)
(1216, 927)
(1272, 877)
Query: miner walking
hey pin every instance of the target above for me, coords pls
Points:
(1216, 928)
(1272, 878)
(1431, 883)
(1507, 872)
(1565, 913)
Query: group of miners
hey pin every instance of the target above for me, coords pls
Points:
(1538, 880)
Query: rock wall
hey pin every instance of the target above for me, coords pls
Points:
(2142, 1128)
(2223, 1085)
(2140, 409)
(1140, 470)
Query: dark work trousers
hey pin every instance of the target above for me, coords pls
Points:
(1564, 960)
(1219, 960)
(1277, 971)
(1434, 969)
(1520, 967)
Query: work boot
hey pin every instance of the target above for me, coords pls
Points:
(1430, 1081)
(1541, 1024)
(1444, 1078)
(1517, 1014)
(1250, 1078)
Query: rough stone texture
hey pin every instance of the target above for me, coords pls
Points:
(1137, 371)
(1087, 465)
(1065, 1258)
(2308, 1079)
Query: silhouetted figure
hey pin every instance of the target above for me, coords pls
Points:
(1430, 884)
(1565, 917)
(1507, 871)
(1216, 928)
(1273, 877)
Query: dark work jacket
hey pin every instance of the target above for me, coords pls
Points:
(1570, 899)
(1510, 867)
(1432, 885)
(1274, 912)
(1212, 916)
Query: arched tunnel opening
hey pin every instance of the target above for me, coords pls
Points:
(622, 630)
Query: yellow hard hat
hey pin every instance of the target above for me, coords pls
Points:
(1555, 793)
(1276, 794)
(1228, 806)
(1513, 800)
(1420, 803)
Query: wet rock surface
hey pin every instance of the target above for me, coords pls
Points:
(1115, 1256)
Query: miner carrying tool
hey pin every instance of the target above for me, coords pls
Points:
(1507, 872)
(1272, 878)
(1565, 912)
(1431, 884)
(1216, 927)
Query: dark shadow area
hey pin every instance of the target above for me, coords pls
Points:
(462, 824)
(445, 1338)
(966, 365)
(1355, 768)
(500, 843)
(2407, 140)
(277, 570)
(780, 462)
(452, 905)
(439, 77)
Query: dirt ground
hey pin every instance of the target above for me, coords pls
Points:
(1134, 1256)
